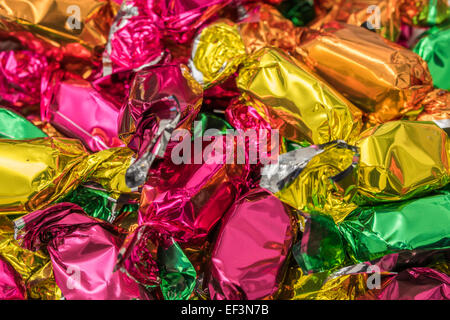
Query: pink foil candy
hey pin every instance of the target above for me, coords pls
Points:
(251, 248)
(11, 286)
(83, 251)
(183, 202)
(162, 98)
(20, 76)
(80, 111)
(136, 36)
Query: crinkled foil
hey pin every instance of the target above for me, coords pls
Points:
(14, 126)
(381, 78)
(217, 52)
(40, 171)
(370, 233)
(295, 101)
(436, 107)
(34, 267)
(306, 178)
(424, 12)
(434, 48)
(79, 21)
(380, 16)
(400, 160)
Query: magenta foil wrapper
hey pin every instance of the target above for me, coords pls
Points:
(183, 202)
(136, 36)
(138, 121)
(83, 251)
(82, 112)
(418, 283)
(11, 286)
(251, 248)
(20, 76)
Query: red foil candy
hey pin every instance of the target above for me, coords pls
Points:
(251, 248)
(83, 251)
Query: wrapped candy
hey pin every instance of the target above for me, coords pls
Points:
(217, 51)
(11, 287)
(305, 178)
(369, 233)
(433, 47)
(77, 274)
(14, 126)
(251, 250)
(31, 270)
(180, 202)
(424, 12)
(383, 79)
(136, 36)
(162, 98)
(80, 111)
(266, 26)
(390, 170)
(20, 76)
(381, 16)
(37, 172)
(82, 24)
(334, 177)
(436, 107)
(294, 101)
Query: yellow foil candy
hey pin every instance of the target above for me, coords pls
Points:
(402, 159)
(295, 101)
(35, 268)
(217, 52)
(38, 172)
(383, 79)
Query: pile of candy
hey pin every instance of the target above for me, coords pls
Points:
(224, 149)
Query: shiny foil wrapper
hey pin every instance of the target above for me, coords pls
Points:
(85, 24)
(14, 126)
(20, 76)
(424, 12)
(40, 171)
(384, 80)
(217, 52)
(134, 39)
(436, 107)
(265, 26)
(31, 270)
(247, 263)
(434, 48)
(11, 287)
(415, 283)
(161, 99)
(80, 111)
(182, 202)
(380, 16)
(369, 233)
(306, 178)
(400, 160)
(70, 233)
(295, 101)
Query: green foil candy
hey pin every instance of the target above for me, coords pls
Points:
(14, 126)
(369, 233)
(97, 203)
(300, 12)
(434, 48)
